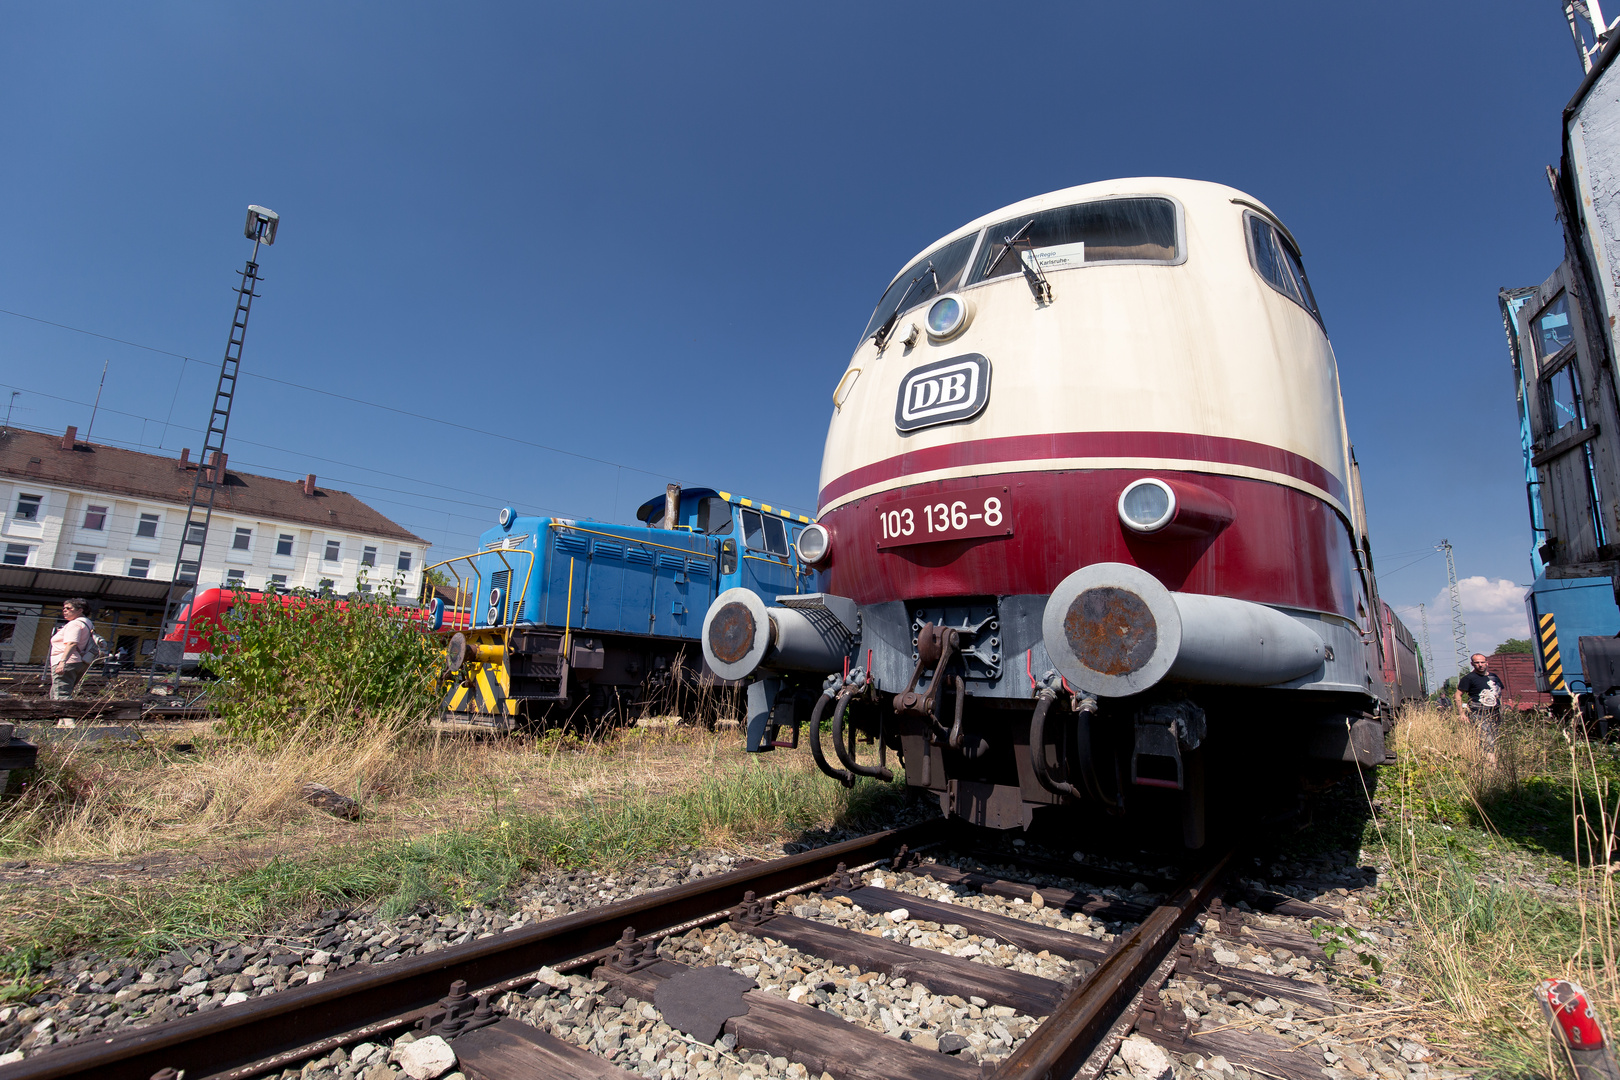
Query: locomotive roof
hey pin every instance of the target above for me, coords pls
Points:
(657, 502)
(1175, 187)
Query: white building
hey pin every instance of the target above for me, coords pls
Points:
(103, 522)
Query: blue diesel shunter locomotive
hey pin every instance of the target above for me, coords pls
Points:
(594, 619)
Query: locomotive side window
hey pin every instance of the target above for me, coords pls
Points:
(762, 533)
(1275, 259)
(1552, 329)
(776, 537)
(1114, 230)
(937, 272)
(753, 530)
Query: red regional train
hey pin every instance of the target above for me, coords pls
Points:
(1090, 524)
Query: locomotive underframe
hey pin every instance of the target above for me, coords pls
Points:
(524, 677)
(1251, 745)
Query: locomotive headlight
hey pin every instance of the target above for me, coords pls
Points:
(813, 544)
(1147, 505)
(947, 317)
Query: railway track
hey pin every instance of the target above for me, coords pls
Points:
(703, 969)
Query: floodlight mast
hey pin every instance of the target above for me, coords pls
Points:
(210, 476)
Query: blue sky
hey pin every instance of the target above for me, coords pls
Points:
(650, 234)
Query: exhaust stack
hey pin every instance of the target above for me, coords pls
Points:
(1113, 630)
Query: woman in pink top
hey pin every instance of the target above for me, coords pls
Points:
(67, 649)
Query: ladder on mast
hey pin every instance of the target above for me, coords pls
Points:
(210, 477)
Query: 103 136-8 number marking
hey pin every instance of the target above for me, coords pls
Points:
(960, 515)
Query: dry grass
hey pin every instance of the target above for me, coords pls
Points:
(99, 802)
(1504, 869)
(218, 841)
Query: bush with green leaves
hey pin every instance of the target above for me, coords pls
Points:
(298, 660)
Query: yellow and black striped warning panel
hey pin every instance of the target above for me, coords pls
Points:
(1551, 662)
(480, 688)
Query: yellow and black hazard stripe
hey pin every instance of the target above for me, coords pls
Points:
(1551, 662)
(481, 689)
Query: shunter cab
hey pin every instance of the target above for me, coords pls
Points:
(595, 618)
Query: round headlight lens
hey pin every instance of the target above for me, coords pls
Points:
(1147, 505)
(946, 317)
(813, 544)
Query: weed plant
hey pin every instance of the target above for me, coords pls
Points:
(1504, 864)
(299, 660)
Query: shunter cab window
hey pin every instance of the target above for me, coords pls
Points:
(1114, 230)
(1276, 260)
(937, 272)
(761, 533)
(714, 516)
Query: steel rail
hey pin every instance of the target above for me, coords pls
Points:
(1061, 1044)
(230, 1037)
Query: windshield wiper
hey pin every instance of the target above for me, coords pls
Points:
(881, 338)
(1032, 271)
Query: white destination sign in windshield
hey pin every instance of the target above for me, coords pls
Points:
(1061, 257)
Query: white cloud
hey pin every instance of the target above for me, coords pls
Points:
(1493, 611)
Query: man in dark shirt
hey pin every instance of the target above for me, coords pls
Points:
(1484, 705)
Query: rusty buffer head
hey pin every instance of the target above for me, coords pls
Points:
(731, 632)
(1111, 629)
(736, 633)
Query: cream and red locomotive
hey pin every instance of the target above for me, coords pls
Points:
(1090, 524)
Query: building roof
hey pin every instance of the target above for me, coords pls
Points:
(35, 456)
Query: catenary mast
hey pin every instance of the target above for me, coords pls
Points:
(210, 476)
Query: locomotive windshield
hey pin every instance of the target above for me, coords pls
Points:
(937, 272)
(1114, 230)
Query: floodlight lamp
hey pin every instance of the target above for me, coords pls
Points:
(261, 224)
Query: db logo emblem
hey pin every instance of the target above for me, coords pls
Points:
(943, 391)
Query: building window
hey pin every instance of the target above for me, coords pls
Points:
(368, 557)
(95, 517)
(28, 507)
(139, 567)
(85, 562)
(334, 551)
(147, 526)
(284, 543)
(278, 582)
(243, 540)
(365, 588)
(233, 578)
(188, 571)
(16, 555)
(404, 560)
(195, 531)
(326, 586)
